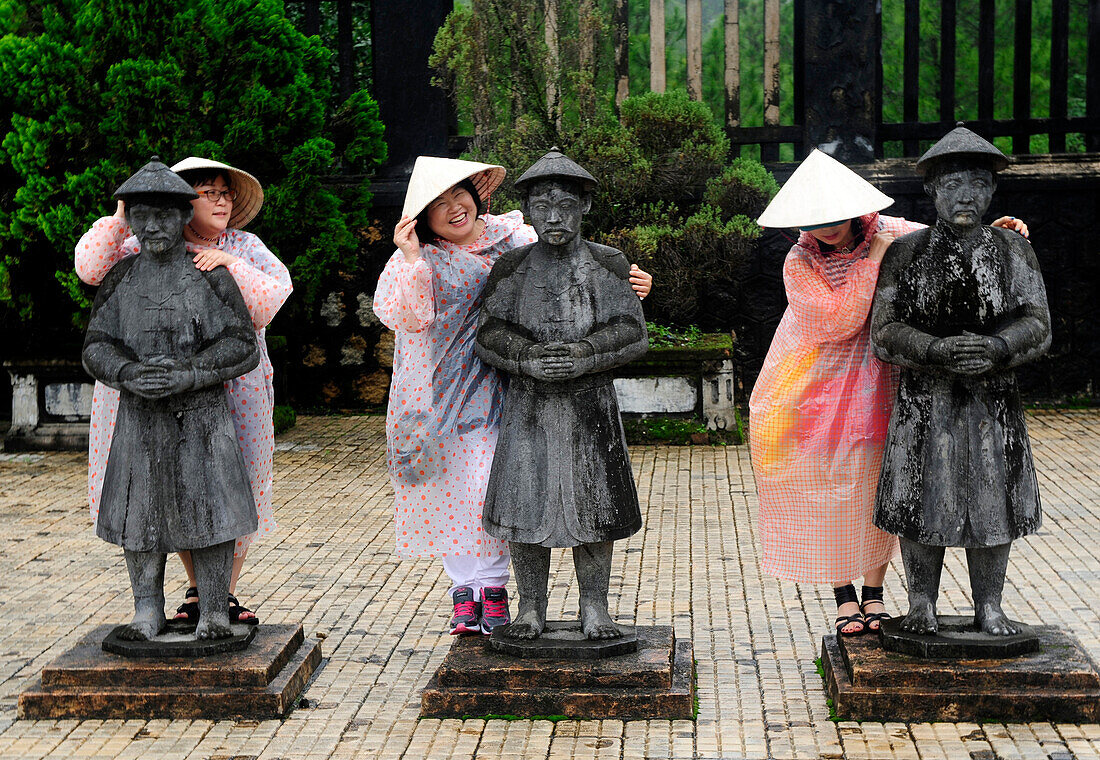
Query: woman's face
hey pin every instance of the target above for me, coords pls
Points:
(212, 216)
(452, 215)
(835, 235)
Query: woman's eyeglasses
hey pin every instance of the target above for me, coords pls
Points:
(214, 195)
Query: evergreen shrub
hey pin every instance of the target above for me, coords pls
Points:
(89, 89)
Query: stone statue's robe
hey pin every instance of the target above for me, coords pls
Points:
(561, 474)
(175, 478)
(957, 468)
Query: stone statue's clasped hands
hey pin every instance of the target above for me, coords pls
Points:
(968, 354)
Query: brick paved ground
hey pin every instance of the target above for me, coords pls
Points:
(694, 566)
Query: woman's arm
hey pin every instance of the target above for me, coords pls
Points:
(403, 299)
(108, 242)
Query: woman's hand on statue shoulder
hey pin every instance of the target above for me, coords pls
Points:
(1011, 223)
(120, 210)
(641, 281)
(879, 243)
(404, 237)
(207, 259)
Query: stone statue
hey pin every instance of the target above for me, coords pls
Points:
(167, 336)
(558, 315)
(958, 307)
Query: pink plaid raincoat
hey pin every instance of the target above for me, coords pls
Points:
(265, 284)
(818, 417)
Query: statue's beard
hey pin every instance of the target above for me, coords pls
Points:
(157, 246)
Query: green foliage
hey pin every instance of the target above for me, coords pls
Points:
(678, 432)
(284, 418)
(94, 87)
(662, 336)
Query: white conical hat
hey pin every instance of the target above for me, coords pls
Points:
(250, 194)
(432, 175)
(820, 191)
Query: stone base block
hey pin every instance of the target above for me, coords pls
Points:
(657, 681)
(263, 681)
(1059, 683)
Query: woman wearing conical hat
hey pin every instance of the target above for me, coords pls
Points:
(444, 405)
(229, 199)
(821, 406)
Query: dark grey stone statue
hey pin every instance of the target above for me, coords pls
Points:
(558, 315)
(167, 336)
(958, 306)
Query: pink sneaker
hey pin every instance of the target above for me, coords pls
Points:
(467, 612)
(494, 608)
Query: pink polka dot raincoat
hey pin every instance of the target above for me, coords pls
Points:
(444, 407)
(265, 284)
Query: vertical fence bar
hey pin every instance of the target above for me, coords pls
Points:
(947, 60)
(799, 74)
(693, 22)
(620, 35)
(1092, 76)
(656, 45)
(1059, 71)
(1021, 74)
(345, 46)
(733, 64)
(771, 75)
(312, 17)
(911, 73)
(985, 59)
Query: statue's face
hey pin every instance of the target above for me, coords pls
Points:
(158, 228)
(962, 196)
(555, 210)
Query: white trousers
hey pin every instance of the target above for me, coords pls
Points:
(476, 572)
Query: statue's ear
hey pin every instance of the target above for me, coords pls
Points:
(930, 188)
(586, 200)
(523, 205)
(188, 213)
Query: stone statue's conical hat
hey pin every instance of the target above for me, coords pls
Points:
(962, 144)
(555, 164)
(431, 176)
(822, 190)
(156, 179)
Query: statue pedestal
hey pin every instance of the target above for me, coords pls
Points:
(655, 681)
(263, 681)
(1058, 683)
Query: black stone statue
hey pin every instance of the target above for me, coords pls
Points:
(558, 315)
(167, 336)
(958, 306)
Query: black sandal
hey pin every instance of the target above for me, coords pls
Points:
(236, 610)
(189, 611)
(843, 595)
(873, 594)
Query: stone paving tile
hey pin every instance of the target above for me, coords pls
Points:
(695, 566)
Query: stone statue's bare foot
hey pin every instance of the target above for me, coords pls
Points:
(213, 625)
(991, 619)
(528, 624)
(147, 623)
(597, 624)
(921, 619)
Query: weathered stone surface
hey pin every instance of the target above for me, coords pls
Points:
(958, 639)
(353, 351)
(656, 395)
(330, 392)
(371, 389)
(564, 640)
(178, 640)
(365, 310)
(72, 401)
(332, 309)
(654, 682)
(314, 356)
(262, 682)
(383, 350)
(1059, 683)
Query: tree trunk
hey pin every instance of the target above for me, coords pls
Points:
(771, 62)
(588, 26)
(733, 64)
(657, 45)
(553, 63)
(694, 21)
(620, 35)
